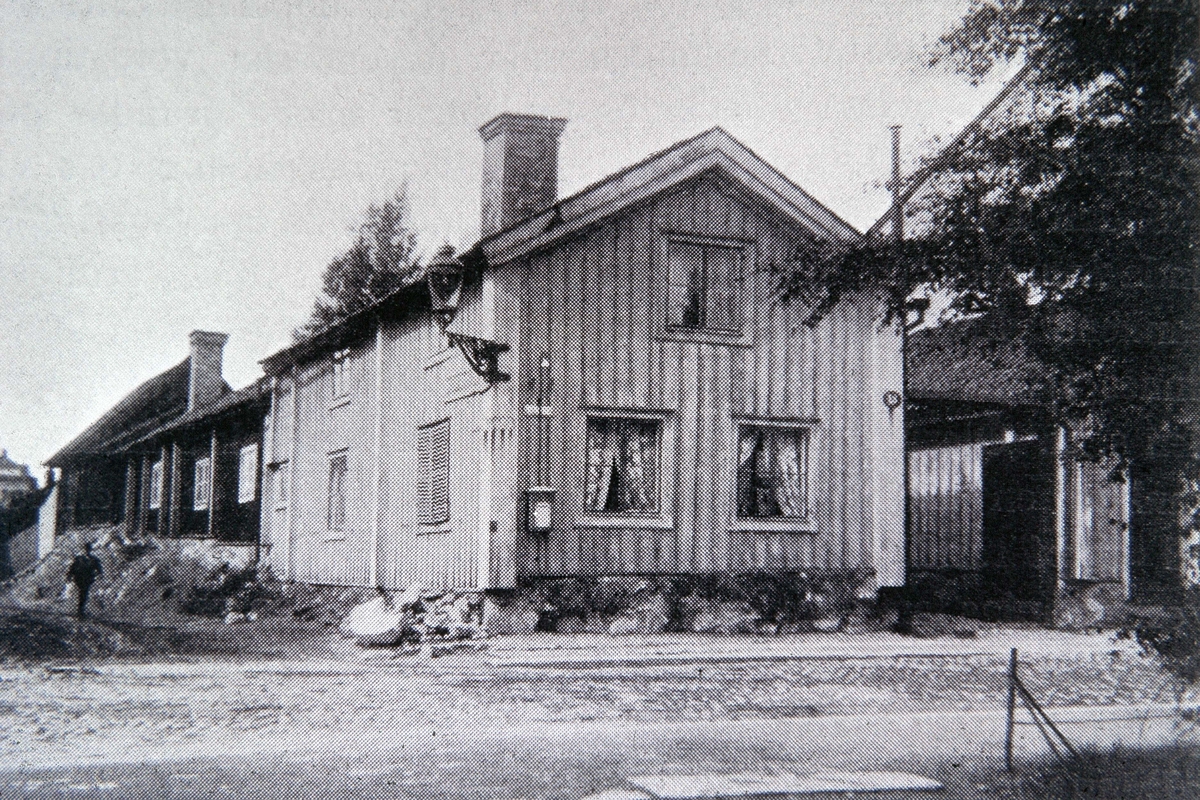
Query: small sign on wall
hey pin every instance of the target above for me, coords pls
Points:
(540, 508)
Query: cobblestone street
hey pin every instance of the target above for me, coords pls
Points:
(68, 713)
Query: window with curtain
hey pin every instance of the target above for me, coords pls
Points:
(202, 484)
(433, 473)
(705, 289)
(248, 473)
(336, 515)
(772, 473)
(622, 475)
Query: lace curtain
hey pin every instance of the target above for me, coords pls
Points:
(622, 466)
(772, 467)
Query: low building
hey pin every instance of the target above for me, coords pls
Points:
(177, 457)
(1000, 510)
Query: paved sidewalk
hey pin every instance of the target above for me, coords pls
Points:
(599, 649)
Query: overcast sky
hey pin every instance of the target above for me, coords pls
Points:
(172, 166)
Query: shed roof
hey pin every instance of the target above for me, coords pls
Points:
(714, 149)
(958, 362)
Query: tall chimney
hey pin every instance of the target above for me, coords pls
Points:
(520, 168)
(205, 383)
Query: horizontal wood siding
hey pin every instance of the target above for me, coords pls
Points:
(946, 507)
(594, 305)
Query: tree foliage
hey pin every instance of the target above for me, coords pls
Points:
(382, 259)
(1068, 219)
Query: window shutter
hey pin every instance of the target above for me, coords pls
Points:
(433, 473)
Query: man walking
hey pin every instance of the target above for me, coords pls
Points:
(84, 570)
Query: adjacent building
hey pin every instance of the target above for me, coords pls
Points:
(179, 456)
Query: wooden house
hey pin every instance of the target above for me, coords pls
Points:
(604, 384)
(998, 506)
(178, 457)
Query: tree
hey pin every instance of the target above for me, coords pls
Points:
(380, 261)
(1068, 221)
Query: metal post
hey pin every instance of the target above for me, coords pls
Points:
(1012, 710)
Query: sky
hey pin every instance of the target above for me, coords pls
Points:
(173, 166)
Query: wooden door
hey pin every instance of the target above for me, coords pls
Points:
(1018, 520)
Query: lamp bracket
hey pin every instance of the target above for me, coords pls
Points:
(481, 355)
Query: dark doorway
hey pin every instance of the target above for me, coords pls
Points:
(1018, 520)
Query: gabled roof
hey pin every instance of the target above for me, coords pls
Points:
(715, 149)
(956, 362)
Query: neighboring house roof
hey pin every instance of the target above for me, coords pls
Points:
(715, 149)
(231, 402)
(155, 403)
(917, 180)
(14, 478)
(956, 362)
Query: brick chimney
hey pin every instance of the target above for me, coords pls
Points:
(205, 383)
(520, 168)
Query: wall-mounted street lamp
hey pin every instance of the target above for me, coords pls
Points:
(444, 274)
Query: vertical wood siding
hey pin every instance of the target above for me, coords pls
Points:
(946, 507)
(594, 305)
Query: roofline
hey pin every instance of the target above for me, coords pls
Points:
(540, 228)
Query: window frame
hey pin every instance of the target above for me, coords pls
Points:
(424, 487)
(154, 496)
(805, 524)
(332, 531)
(663, 517)
(243, 499)
(339, 370)
(206, 461)
(743, 334)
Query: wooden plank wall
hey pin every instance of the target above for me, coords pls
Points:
(593, 305)
(1100, 510)
(946, 507)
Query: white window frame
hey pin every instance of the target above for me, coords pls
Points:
(336, 528)
(664, 517)
(339, 387)
(805, 524)
(202, 489)
(154, 501)
(247, 488)
(427, 473)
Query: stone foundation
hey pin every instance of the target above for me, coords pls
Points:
(718, 604)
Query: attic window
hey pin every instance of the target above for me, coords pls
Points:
(705, 285)
(339, 386)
